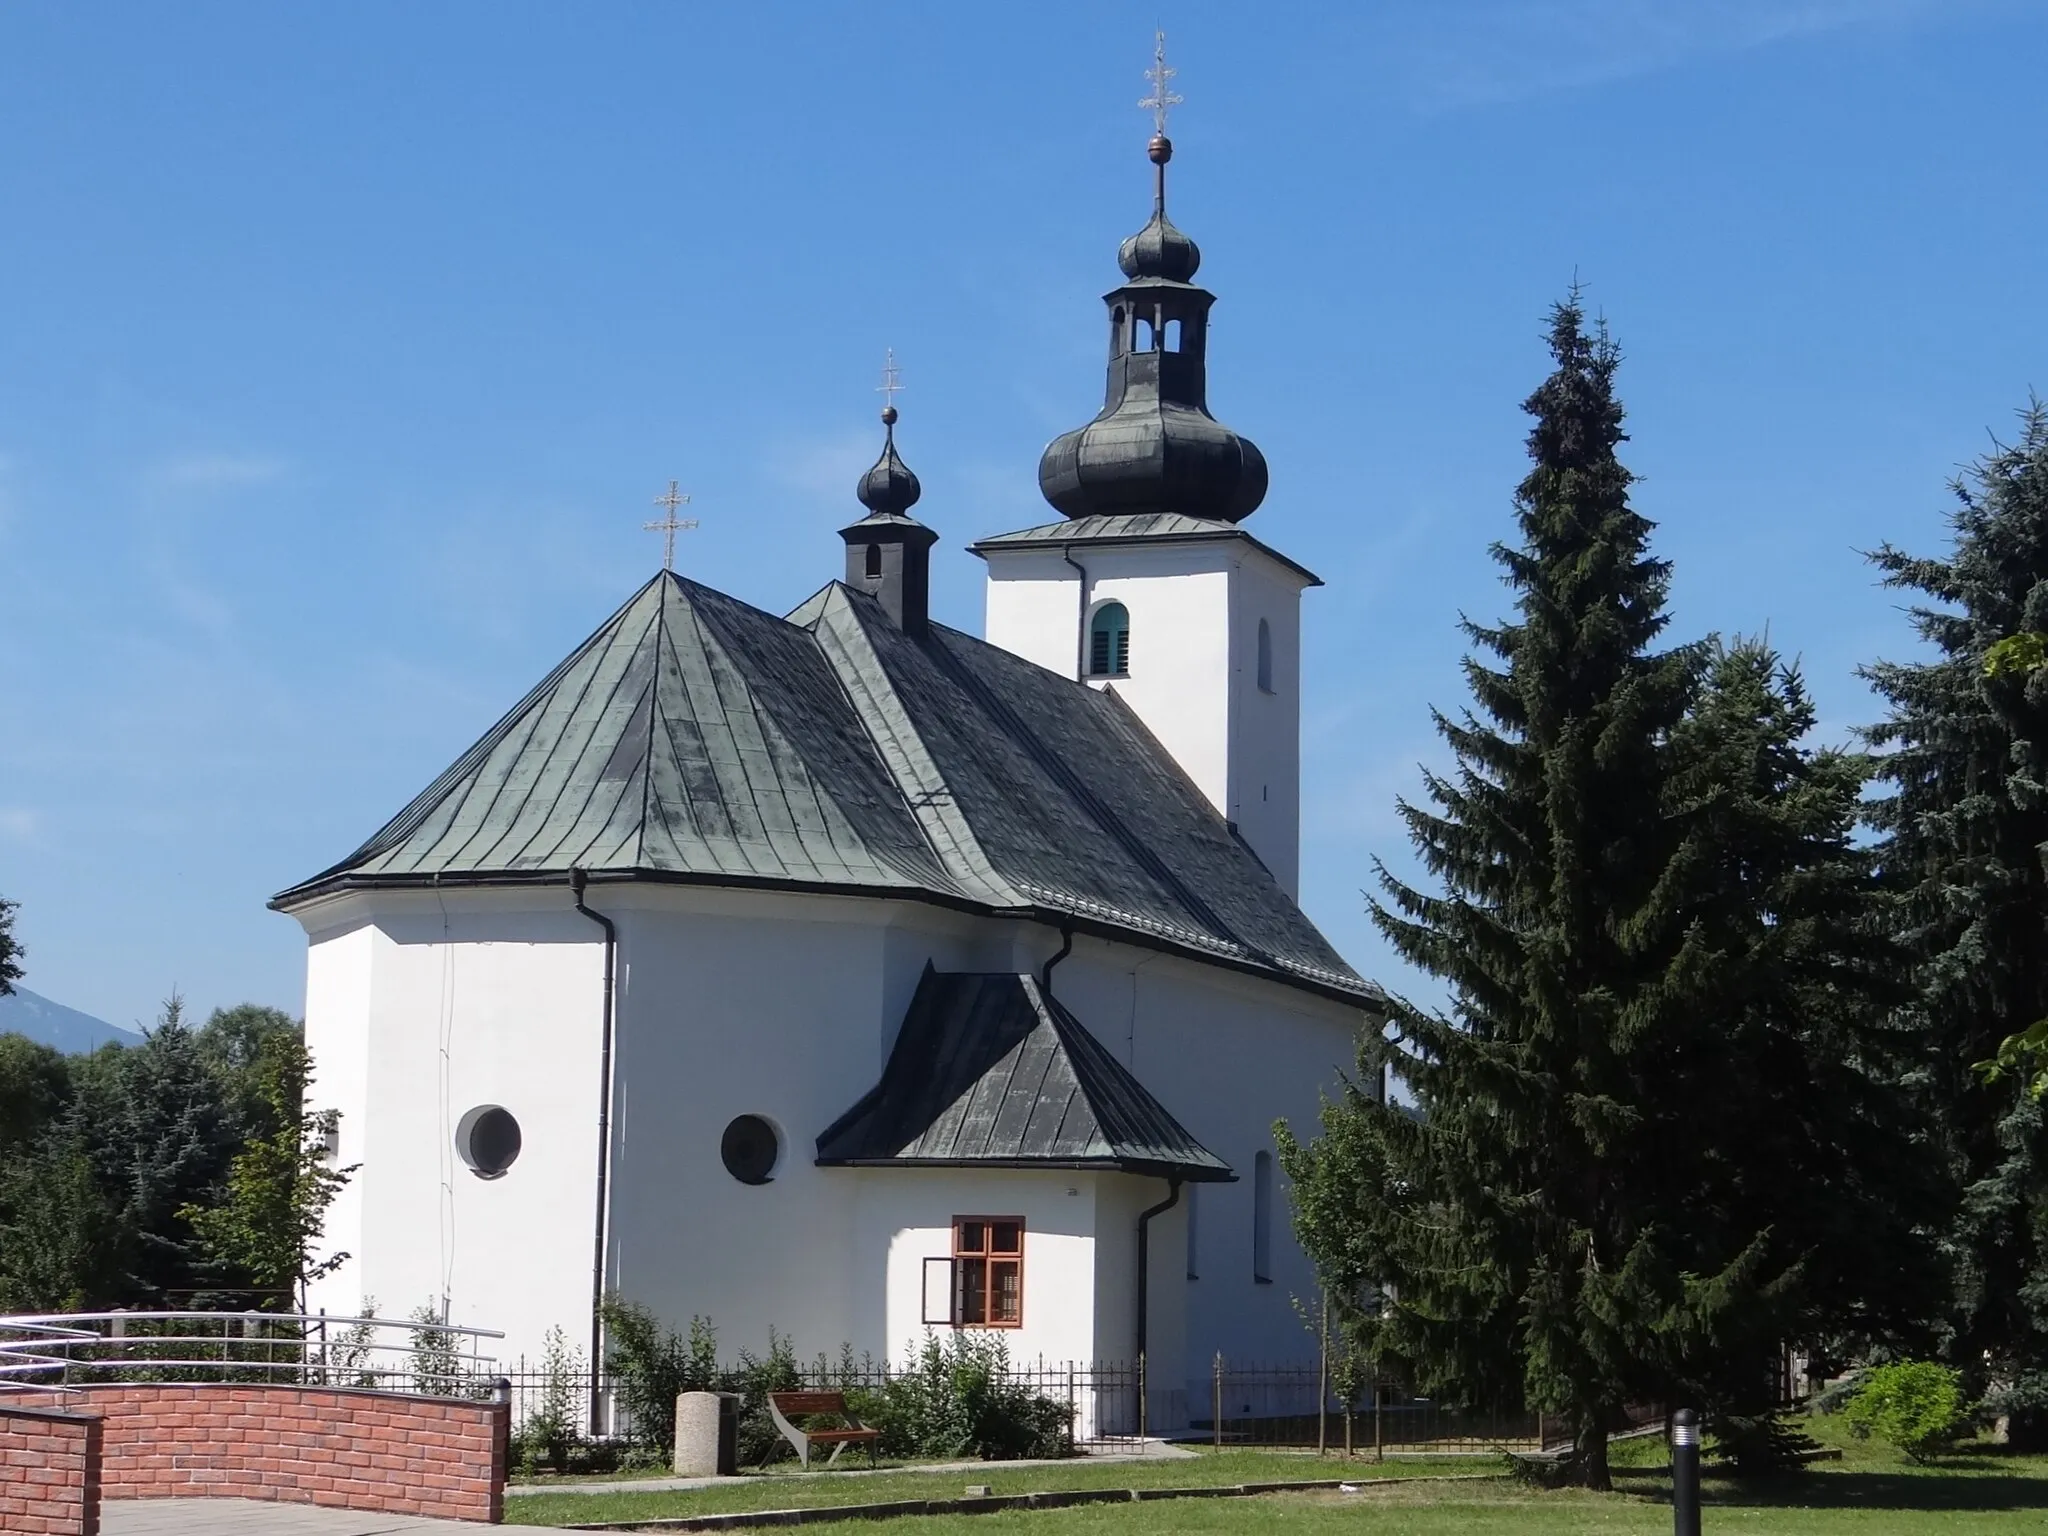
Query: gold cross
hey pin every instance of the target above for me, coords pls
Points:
(670, 523)
(892, 381)
(1161, 98)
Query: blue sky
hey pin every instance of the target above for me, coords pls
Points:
(345, 347)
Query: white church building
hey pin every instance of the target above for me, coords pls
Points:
(843, 974)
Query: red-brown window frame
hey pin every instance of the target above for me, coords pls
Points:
(986, 1258)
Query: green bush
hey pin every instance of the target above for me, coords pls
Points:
(1762, 1444)
(552, 1431)
(1915, 1406)
(651, 1366)
(957, 1398)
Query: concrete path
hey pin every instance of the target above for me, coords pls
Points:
(1145, 1450)
(259, 1517)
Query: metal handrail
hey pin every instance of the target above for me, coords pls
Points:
(53, 1342)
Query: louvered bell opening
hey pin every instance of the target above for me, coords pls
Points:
(1109, 641)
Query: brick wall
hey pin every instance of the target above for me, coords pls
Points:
(382, 1452)
(49, 1472)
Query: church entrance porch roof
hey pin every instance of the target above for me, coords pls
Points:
(694, 738)
(989, 1070)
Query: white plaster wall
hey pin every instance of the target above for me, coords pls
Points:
(1194, 664)
(1265, 728)
(906, 1216)
(338, 987)
(776, 1005)
(496, 1001)
(1227, 1055)
(786, 1006)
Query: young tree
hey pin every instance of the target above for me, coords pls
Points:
(281, 1183)
(63, 1246)
(1518, 1224)
(1964, 830)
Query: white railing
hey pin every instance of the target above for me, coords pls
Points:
(47, 1351)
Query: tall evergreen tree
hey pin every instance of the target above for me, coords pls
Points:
(1788, 1125)
(1965, 833)
(1516, 1222)
(160, 1135)
(10, 951)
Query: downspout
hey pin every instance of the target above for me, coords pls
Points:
(1080, 619)
(578, 881)
(1144, 1257)
(1045, 971)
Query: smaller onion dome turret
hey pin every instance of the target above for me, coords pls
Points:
(1154, 447)
(889, 489)
(888, 552)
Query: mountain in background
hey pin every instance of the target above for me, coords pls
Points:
(26, 1013)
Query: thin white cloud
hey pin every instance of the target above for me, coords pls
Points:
(215, 472)
(1504, 50)
(18, 823)
(823, 467)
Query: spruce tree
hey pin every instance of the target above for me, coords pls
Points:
(1964, 829)
(1512, 1229)
(1789, 1129)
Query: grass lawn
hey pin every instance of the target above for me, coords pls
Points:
(1870, 1492)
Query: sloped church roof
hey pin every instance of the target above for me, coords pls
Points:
(694, 738)
(992, 1070)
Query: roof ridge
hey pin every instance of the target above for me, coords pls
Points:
(910, 766)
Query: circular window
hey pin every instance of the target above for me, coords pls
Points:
(488, 1139)
(750, 1149)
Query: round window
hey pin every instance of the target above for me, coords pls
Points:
(750, 1149)
(488, 1139)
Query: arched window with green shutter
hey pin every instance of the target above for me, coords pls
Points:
(1109, 641)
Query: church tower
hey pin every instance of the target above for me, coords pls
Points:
(1150, 587)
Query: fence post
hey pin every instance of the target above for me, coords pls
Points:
(1379, 1438)
(1216, 1405)
(1144, 1407)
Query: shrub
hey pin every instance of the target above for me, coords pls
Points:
(651, 1366)
(1762, 1444)
(551, 1431)
(956, 1397)
(1915, 1405)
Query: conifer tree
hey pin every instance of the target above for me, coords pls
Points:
(1965, 827)
(1514, 1223)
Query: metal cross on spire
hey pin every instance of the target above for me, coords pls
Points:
(1161, 100)
(669, 524)
(892, 382)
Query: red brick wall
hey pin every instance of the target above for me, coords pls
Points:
(49, 1472)
(345, 1449)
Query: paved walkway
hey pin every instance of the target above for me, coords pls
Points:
(259, 1517)
(1144, 1450)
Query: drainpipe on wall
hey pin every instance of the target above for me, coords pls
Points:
(1144, 1262)
(1081, 620)
(1045, 971)
(578, 881)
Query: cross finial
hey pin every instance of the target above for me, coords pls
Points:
(1161, 100)
(669, 524)
(891, 385)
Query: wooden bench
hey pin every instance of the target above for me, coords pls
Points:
(802, 1405)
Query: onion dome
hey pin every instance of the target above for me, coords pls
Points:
(1160, 249)
(1154, 447)
(889, 489)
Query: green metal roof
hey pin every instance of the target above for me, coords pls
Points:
(694, 738)
(992, 1070)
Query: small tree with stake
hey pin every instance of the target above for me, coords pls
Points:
(280, 1185)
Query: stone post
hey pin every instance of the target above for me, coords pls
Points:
(702, 1450)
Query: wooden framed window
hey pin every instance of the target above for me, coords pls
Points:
(988, 1271)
